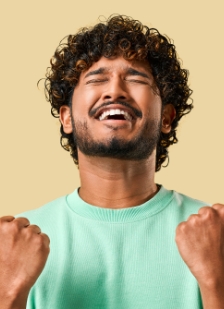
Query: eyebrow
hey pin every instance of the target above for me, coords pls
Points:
(129, 71)
(132, 71)
(96, 72)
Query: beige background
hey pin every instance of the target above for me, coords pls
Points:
(34, 168)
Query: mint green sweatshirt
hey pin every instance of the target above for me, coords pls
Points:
(114, 259)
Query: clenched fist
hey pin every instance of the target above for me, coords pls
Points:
(200, 241)
(23, 254)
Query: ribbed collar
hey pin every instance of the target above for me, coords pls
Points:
(130, 214)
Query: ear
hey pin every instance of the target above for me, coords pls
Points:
(65, 118)
(168, 115)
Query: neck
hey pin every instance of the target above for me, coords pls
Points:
(114, 183)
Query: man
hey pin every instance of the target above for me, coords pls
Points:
(120, 92)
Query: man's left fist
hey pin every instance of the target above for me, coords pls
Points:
(200, 241)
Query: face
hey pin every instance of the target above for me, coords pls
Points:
(116, 112)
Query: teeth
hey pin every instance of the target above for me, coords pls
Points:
(127, 116)
(115, 112)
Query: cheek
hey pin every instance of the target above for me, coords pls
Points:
(84, 100)
(150, 104)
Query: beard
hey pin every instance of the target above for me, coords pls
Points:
(139, 148)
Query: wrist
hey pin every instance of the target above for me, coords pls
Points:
(13, 299)
(212, 293)
(212, 283)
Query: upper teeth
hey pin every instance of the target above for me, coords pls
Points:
(115, 112)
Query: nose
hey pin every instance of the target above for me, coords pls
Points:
(115, 90)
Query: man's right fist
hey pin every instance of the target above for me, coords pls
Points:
(23, 254)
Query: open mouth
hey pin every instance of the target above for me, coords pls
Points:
(115, 114)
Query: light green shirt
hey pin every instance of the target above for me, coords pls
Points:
(114, 259)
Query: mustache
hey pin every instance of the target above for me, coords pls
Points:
(136, 112)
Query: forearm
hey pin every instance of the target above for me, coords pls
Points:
(15, 304)
(7, 305)
(213, 295)
(13, 300)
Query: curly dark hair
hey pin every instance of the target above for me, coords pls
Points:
(119, 34)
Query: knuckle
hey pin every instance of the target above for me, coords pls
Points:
(218, 206)
(4, 222)
(28, 232)
(46, 239)
(180, 228)
(6, 219)
(34, 228)
(41, 241)
(15, 226)
(38, 242)
(192, 218)
(23, 221)
(207, 212)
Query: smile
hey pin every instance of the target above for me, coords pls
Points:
(116, 114)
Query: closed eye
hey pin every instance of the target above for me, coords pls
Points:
(92, 81)
(137, 81)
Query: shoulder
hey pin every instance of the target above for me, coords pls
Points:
(186, 205)
(48, 214)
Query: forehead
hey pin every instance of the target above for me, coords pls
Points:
(118, 64)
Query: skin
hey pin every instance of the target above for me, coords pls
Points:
(200, 241)
(117, 188)
(108, 182)
(23, 254)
